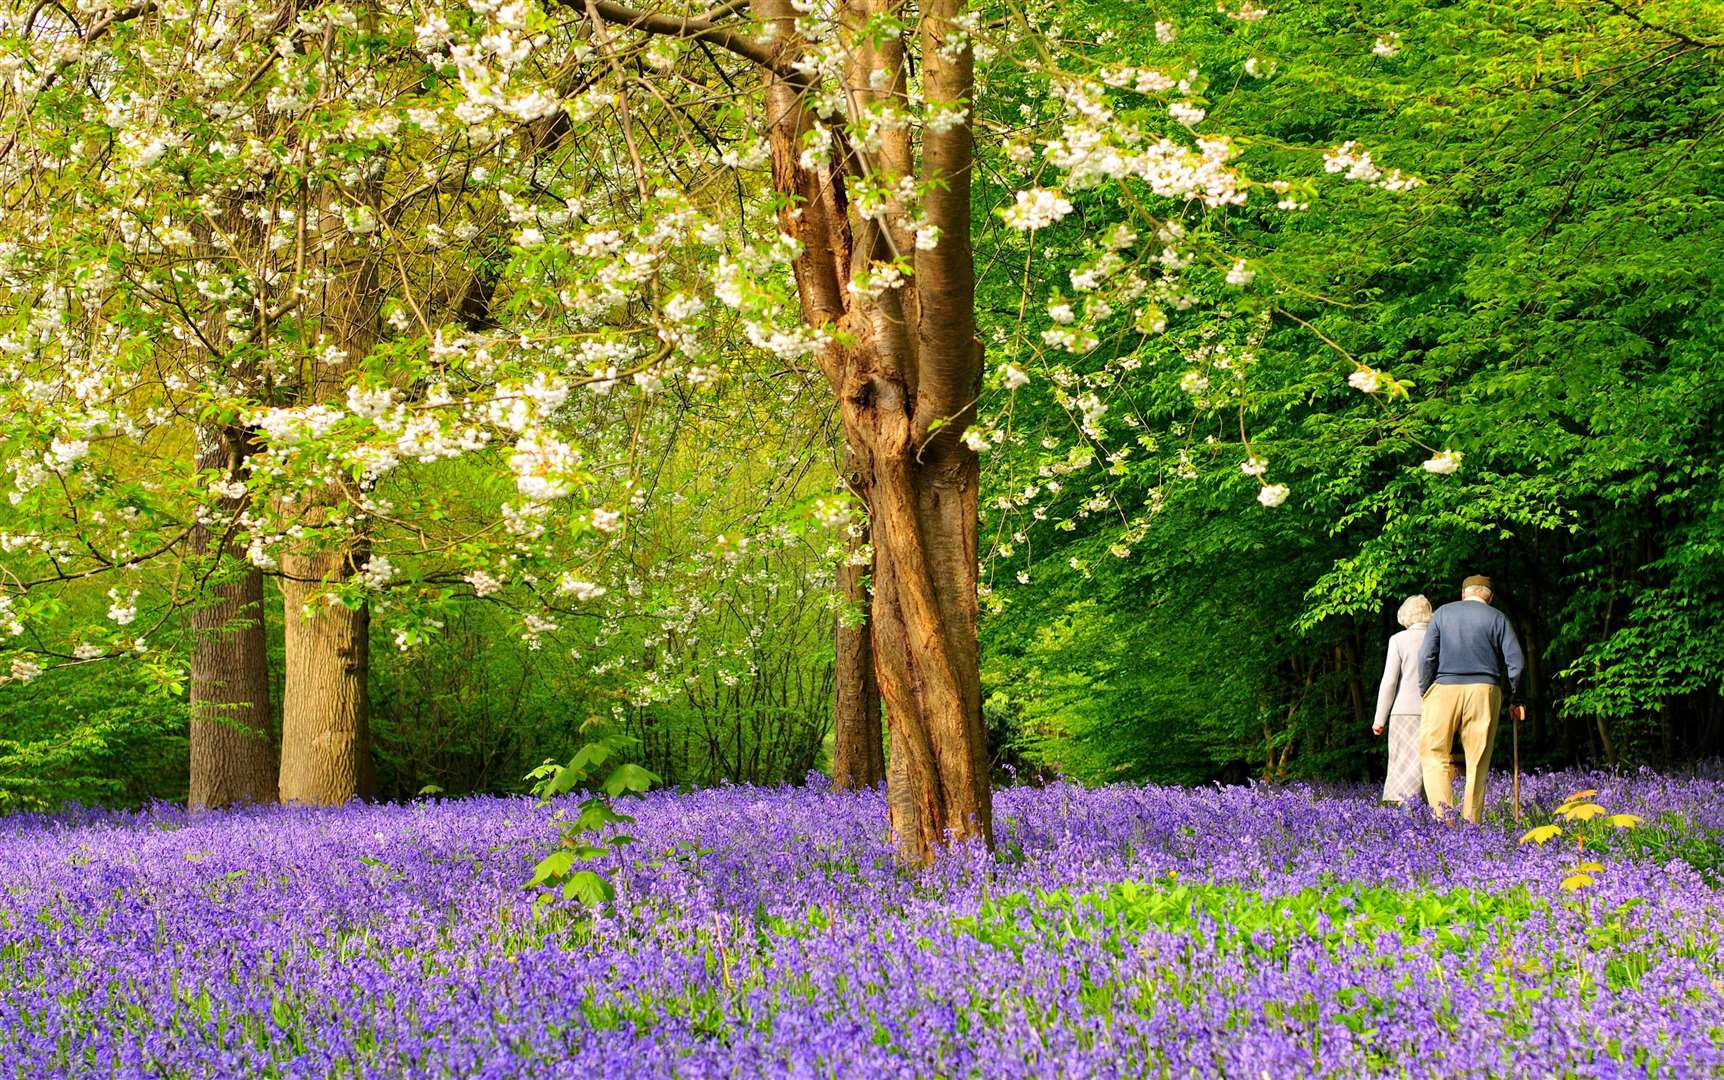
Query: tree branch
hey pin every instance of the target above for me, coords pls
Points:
(694, 28)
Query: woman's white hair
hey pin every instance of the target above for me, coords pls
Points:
(1415, 610)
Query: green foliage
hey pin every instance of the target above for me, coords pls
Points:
(1342, 918)
(1545, 306)
(108, 737)
(1232, 919)
(591, 834)
(1671, 837)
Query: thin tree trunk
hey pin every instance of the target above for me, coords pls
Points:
(858, 750)
(1605, 742)
(232, 754)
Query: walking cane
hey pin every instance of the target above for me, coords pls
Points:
(1514, 756)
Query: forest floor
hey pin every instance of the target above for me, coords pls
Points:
(1120, 931)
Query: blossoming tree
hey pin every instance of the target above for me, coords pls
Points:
(364, 255)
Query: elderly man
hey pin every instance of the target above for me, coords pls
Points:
(1469, 658)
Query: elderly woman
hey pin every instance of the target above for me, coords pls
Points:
(1398, 702)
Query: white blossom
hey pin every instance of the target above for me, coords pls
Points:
(64, 452)
(536, 626)
(1396, 180)
(570, 585)
(122, 610)
(542, 465)
(1272, 494)
(1036, 208)
(606, 521)
(360, 220)
(1186, 113)
(1444, 462)
(377, 572)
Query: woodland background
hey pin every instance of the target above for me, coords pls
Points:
(1550, 295)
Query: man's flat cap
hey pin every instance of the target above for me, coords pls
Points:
(1477, 581)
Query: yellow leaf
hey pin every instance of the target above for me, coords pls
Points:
(1576, 881)
(1589, 868)
(1579, 795)
(1540, 834)
(1624, 821)
(1585, 811)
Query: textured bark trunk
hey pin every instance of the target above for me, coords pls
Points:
(926, 651)
(232, 753)
(905, 366)
(325, 709)
(858, 750)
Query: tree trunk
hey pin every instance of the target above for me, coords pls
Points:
(858, 751)
(927, 655)
(325, 714)
(232, 755)
(1605, 742)
(906, 367)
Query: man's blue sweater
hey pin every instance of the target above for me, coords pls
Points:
(1469, 641)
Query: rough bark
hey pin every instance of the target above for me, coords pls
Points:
(905, 367)
(325, 713)
(232, 752)
(858, 750)
(927, 655)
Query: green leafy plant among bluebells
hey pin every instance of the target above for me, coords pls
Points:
(582, 838)
(1588, 822)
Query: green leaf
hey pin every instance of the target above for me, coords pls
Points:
(629, 777)
(589, 888)
(565, 779)
(552, 866)
(593, 753)
(595, 815)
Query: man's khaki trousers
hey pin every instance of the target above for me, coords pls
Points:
(1470, 710)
